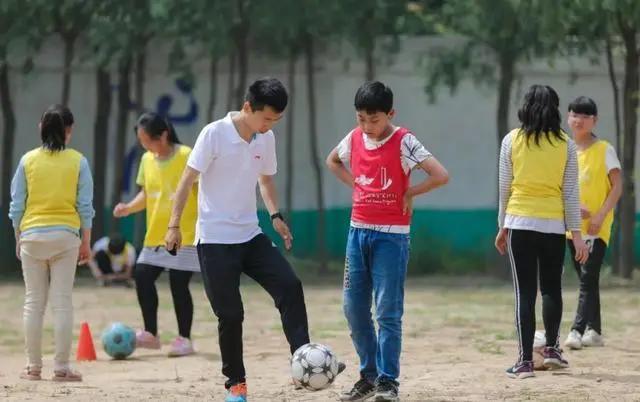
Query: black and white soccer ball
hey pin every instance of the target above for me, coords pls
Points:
(314, 366)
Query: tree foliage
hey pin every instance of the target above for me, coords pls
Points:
(486, 41)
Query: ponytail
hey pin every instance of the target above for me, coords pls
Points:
(172, 135)
(53, 127)
(53, 131)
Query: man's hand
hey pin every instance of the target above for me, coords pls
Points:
(283, 230)
(173, 239)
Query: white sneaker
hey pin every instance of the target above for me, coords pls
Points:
(592, 339)
(574, 340)
(539, 341)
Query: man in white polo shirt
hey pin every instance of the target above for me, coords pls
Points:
(231, 156)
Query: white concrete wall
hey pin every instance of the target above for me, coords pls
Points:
(460, 130)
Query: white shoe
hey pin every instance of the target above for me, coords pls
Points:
(539, 341)
(592, 339)
(574, 340)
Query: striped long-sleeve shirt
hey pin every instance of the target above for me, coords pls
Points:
(570, 192)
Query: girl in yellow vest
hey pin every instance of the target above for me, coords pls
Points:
(52, 212)
(539, 202)
(600, 190)
(160, 171)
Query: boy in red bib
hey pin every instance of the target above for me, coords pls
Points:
(376, 159)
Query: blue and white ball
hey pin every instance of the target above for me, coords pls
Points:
(119, 341)
(314, 366)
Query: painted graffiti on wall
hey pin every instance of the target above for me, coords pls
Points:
(163, 106)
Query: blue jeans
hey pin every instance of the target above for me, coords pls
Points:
(376, 267)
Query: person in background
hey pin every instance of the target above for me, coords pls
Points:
(113, 261)
(52, 212)
(158, 176)
(600, 190)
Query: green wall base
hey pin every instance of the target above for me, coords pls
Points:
(460, 233)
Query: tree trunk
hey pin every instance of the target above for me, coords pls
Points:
(231, 82)
(507, 77)
(213, 88)
(367, 40)
(369, 59)
(100, 145)
(630, 121)
(140, 73)
(8, 141)
(497, 263)
(242, 47)
(615, 234)
(315, 158)
(289, 154)
(69, 43)
(122, 129)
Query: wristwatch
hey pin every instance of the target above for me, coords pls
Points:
(277, 215)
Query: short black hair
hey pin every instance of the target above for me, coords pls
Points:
(155, 124)
(540, 114)
(53, 125)
(373, 97)
(116, 244)
(267, 91)
(583, 105)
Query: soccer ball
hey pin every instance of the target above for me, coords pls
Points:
(119, 341)
(314, 366)
(539, 343)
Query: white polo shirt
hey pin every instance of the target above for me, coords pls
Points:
(229, 170)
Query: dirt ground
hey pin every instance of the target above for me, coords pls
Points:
(457, 344)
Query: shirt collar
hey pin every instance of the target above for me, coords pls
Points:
(233, 133)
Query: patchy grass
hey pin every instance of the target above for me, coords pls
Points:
(449, 328)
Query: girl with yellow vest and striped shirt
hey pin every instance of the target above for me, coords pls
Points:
(600, 190)
(160, 170)
(539, 202)
(52, 212)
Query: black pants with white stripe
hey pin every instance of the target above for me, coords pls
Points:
(535, 255)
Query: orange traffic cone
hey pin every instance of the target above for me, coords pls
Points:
(86, 350)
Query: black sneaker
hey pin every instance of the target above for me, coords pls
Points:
(386, 391)
(553, 359)
(361, 391)
(521, 370)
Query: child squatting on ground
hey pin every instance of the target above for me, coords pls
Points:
(376, 159)
(52, 212)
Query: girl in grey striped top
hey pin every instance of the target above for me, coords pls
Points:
(539, 202)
